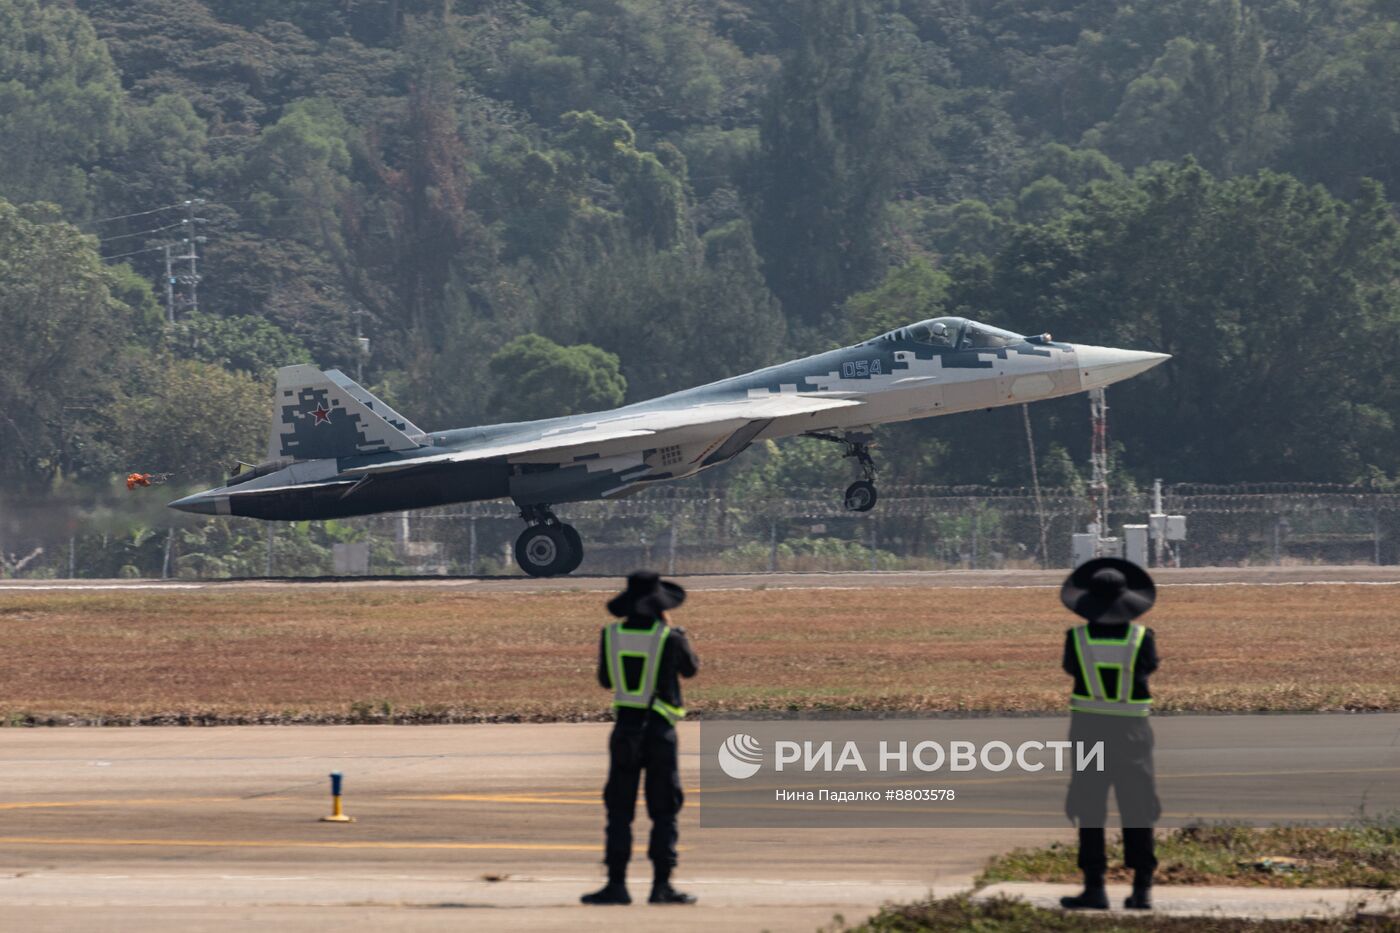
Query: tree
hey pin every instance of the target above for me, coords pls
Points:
(914, 292)
(1346, 114)
(1278, 302)
(60, 104)
(193, 420)
(655, 65)
(650, 178)
(415, 236)
(62, 343)
(247, 344)
(823, 174)
(675, 319)
(537, 378)
(1210, 97)
(164, 153)
(649, 192)
(298, 170)
(234, 77)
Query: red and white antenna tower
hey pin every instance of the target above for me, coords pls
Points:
(1098, 460)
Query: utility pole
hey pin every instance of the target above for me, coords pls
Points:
(1158, 521)
(361, 346)
(169, 284)
(471, 546)
(1035, 483)
(1098, 459)
(191, 278)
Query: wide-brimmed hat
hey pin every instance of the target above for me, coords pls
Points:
(1108, 589)
(646, 595)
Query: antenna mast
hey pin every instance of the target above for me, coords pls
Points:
(1098, 460)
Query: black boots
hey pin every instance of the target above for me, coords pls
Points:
(614, 892)
(1141, 898)
(1093, 897)
(663, 893)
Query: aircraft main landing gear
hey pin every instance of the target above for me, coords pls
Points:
(548, 548)
(861, 495)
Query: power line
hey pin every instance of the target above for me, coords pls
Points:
(269, 200)
(123, 236)
(154, 210)
(149, 249)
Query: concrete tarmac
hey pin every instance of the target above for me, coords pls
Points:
(490, 827)
(481, 826)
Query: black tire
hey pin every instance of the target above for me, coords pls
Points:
(543, 551)
(861, 496)
(575, 544)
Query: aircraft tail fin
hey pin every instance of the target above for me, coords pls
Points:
(320, 415)
(374, 404)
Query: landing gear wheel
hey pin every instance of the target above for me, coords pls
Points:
(545, 551)
(575, 545)
(861, 496)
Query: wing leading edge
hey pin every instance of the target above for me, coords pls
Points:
(658, 426)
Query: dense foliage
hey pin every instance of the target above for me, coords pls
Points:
(538, 207)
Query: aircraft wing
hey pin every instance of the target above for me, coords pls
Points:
(656, 425)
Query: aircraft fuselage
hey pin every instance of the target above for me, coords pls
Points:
(933, 368)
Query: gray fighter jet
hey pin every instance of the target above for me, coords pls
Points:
(336, 450)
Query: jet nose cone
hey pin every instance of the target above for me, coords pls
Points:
(201, 503)
(1101, 366)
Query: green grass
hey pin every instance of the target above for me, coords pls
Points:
(1003, 915)
(1365, 854)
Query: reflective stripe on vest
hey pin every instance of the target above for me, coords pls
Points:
(1095, 654)
(648, 644)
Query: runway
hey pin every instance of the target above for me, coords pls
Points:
(189, 829)
(1302, 575)
(482, 826)
(485, 826)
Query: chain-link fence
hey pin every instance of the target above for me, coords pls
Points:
(688, 530)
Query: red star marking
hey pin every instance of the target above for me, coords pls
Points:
(323, 415)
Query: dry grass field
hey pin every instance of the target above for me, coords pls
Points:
(423, 654)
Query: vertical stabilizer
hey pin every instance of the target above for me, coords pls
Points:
(374, 404)
(320, 415)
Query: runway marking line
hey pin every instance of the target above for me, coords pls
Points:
(60, 804)
(298, 844)
(1054, 814)
(107, 586)
(1022, 779)
(591, 800)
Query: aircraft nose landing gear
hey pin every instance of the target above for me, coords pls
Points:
(861, 495)
(548, 548)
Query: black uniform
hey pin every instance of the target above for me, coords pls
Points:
(1127, 767)
(643, 740)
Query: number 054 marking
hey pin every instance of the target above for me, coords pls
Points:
(860, 369)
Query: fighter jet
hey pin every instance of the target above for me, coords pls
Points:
(337, 450)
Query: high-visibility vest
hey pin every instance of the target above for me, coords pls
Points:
(1098, 654)
(648, 644)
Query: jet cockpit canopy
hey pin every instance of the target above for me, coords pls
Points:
(956, 333)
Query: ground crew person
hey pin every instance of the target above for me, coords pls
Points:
(641, 659)
(1110, 659)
